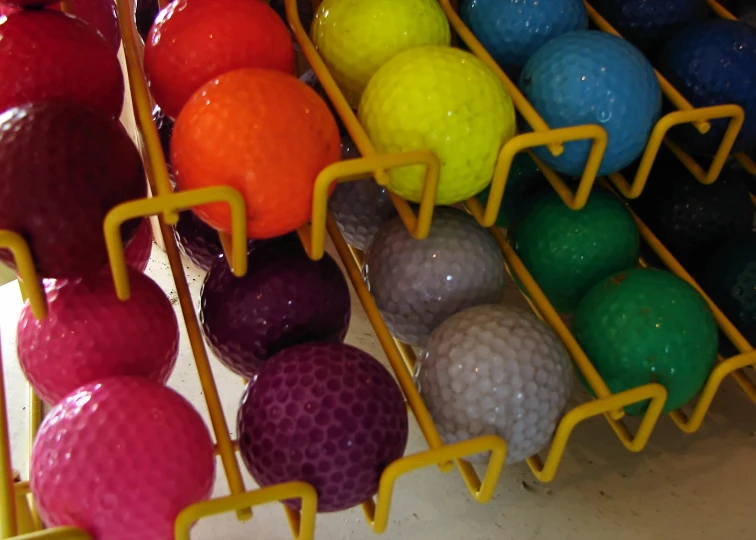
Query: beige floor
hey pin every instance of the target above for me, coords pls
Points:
(680, 487)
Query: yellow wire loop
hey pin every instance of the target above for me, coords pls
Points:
(29, 280)
(302, 522)
(237, 258)
(377, 514)
(58, 533)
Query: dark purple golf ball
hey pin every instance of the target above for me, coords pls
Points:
(284, 299)
(323, 413)
(196, 240)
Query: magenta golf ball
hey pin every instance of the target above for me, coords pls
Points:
(327, 414)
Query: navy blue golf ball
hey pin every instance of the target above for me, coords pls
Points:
(714, 63)
(512, 30)
(590, 77)
(647, 23)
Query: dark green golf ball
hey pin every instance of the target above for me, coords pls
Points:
(729, 278)
(524, 179)
(569, 251)
(643, 326)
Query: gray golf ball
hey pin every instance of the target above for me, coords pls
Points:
(417, 284)
(496, 370)
(359, 207)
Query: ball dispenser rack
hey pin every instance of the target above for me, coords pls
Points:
(18, 518)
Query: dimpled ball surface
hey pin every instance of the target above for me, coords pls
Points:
(644, 326)
(63, 166)
(714, 63)
(137, 252)
(327, 414)
(197, 241)
(48, 55)
(191, 43)
(446, 100)
(590, 77)
(284, 299)
(648, 23)
(692, 219)
(417, 284)
(263, 133)
(493, 369)
(729, 278)
(359, 207)
(524, 179)
(356, 37)
(89, 334)
(512, 30)
(120, 458)
(568, 251)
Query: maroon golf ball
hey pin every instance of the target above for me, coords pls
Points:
(137, 252)
(327, 414)
(284, 299)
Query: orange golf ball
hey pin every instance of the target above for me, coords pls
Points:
(262, 132)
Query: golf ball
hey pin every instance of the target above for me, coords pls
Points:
(417, 284)
(591, 77)
(120, 458)
(512, 30)
(493, 369)
(644, 326)
(359, 207)
(446, 100)
(323, 413)
(356, 37)
(90, 334)
(714, 63)
(284, 299)
(569, 251)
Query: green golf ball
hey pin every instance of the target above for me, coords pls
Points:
(569, 251)
(643, 326)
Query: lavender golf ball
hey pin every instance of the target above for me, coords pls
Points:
(323, 413)
(417, 284)
(359, 207)
(496, 370)
(284, 299)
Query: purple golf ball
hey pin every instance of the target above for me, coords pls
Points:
(323, 413)
(284, 299)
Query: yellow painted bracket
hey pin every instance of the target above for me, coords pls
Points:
(58, 533)
(733, 112)
(28, 279)
(8, 516)
(377, 513)
(174, 202)
(720, 10)
(546, 311)
(526, 141)
(656, 394)
(685, 114)
(25, 518)
(748, 164)
(302, 523)
(354, 169)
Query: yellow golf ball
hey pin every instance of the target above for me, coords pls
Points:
(355, 37)
(445, 100)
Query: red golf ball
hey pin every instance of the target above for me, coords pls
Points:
(327, 414)
(193, 42)
(137, 252)
(120, 458)
(63, 167)
(89, 334)
(49, 55)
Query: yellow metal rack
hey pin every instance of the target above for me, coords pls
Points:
(18, 519)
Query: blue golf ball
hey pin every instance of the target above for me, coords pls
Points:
(512, 30)
(591, 77)
(647, 23)
(714, 63)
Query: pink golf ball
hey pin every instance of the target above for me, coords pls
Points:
(120, 458)
(90, 334)
(137, 252)
(323, 413)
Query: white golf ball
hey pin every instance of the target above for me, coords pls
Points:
(493, 369)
